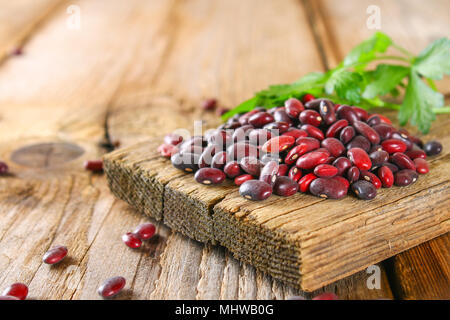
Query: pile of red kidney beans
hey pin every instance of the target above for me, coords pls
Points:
(312, 146)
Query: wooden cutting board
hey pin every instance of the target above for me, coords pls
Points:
(302, 240)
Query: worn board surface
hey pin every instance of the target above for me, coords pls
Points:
(137, 69)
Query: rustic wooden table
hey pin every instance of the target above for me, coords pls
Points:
(136, 69)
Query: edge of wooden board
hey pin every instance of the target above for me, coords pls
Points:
(288, 238)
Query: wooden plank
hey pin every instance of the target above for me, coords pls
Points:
(140, 110)
(20, 18)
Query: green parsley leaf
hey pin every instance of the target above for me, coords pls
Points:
(367, 49)
(346, 84)
(385, 79)
(434, 61)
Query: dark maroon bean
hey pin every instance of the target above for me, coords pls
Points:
(242, 178)
(328, 188)
(393, 146)
(173, 139)
(391, 166)
(325, 171)
(280, 127)
(362, 114)
(330, 160)
(309, 160)
(295, 174)
(353, 174)
(251, 165)
(375, 148)
(368, 132)
(91, 165)
(342, 164)
(421, 166)
(414, 154)
(260, 119)
(347, 134)
(282, 170)
(194, 141)
(335, 128)
(243, 119)
(313, 104)
(132, 240)
(269, 172)
(282, 116)
(311, 117)
(209, 104)
(347, 113)
(308, 144)
(432, 148)
(403, 137)
(359, 158)
(385, 131)
(17, 290)
(293, 107)
(232, 169)
(285, 187)
(3, 168)
(313, 132)
(343, 181)
(359, 142)
(207, 155)
(240, 150)
(402, 161)
(187, 161)
(296, 133)
(111, 287)
(145, 231)
(255, 190)
(219, 160)
(326, 110)
(242, 133)
(210, 176)
(231, 125)
(55, 255)
(271, 157)
(372, 178)
(378, 158)
(405, 177)
(386, 176)
(334, 146)
(373, 120)
(259, 136)
(364, 190)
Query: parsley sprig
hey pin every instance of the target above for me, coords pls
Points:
(352, 82)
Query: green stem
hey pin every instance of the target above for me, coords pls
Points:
(403, 50)
(431, 84)
(442, 110)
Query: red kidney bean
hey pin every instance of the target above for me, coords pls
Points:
(362, 114)
(271, 156)
(385, 131)
(221, 111)
(278, 144)
(324, 150)
(364, 190)
(372, 178)
(187, 161)
(243, 120)
(347, 134)
(313, 132)
(326, 110)
(326, 296)
(251, 165)
(219, 160)
(405, 177)
(210, 176)
(232, 169)
(260, 119)
(305, 182)
(334, 146)
(190, 149)
(309, 160)
(269, 172)
(259, 136)
(242, 178)
(296, 133)
(403, 137)
(209, 104)
(240, 150)
(111, 287)
(359, 158)
(325, 171)
(293, 107)
(295, 174)
(145, 231)
(328, 188)
(342, 164)
(432, 148)
(285, 187)
(282, 116)
(206, 157)
(347, 113)
(414, 154)
(313, 104)
(373, 120)
(368, 132)
(343, 181)
(334, 129)
(353, 174)
(173, 139)
(402, 161)
(308, 144)
(384, 119)
(132, 240)
(391, 166)
(421, 166)
(194, 141)
(17, 290)
(280, 127)
(308, 97)
(55, 255)
(94, 165)
(3, 168)
(393, 145)
(311, 117)
(378, 158)
(166, 150)
(240, 134)
(359, 142)
(255, 190)
(282, 170)
(386, 176)
(375, 148)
